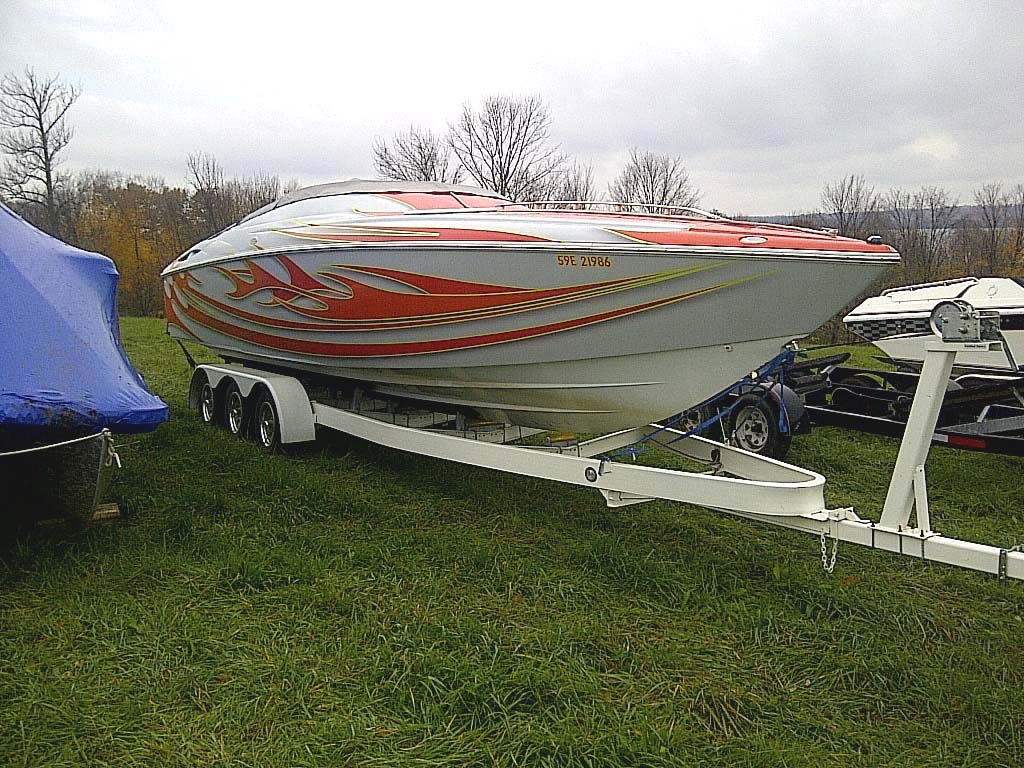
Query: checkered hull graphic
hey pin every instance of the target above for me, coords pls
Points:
(874, 330)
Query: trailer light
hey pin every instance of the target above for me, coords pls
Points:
(967, 442)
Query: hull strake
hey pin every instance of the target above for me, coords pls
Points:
(527, 336)
(619, 392)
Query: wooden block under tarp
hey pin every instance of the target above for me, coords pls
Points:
(106, 513)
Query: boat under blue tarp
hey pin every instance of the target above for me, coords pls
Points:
(62, 365)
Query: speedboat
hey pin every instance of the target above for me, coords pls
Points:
(577, 318)
(897, 320)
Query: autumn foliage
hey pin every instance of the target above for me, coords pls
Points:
(143, 224)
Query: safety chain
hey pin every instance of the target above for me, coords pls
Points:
(829, 565)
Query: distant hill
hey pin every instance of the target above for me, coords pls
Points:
(827, 221)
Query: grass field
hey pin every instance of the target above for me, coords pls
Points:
(350, 605)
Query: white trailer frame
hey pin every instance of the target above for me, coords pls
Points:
(736, 482)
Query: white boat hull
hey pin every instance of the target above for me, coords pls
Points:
(687, 336)
(911, 349)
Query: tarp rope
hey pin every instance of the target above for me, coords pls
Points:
(104, 433)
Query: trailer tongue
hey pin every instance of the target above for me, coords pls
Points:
(277, 409)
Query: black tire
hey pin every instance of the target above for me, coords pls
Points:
(207, 401)
(266, 425)
(754, 427)
(235, 413)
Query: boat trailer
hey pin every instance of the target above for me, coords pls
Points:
(981, 411)
(277, 409)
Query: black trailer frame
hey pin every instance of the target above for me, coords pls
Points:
(981, 411)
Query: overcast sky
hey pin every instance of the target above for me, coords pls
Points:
(766, 102)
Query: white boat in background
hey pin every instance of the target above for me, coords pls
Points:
(584, 320)
(897, 320)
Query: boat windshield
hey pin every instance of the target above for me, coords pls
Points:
(418, 194)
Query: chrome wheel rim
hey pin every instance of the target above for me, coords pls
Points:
(752, 430)
(236, 412)
(267, 424)
(206, 403)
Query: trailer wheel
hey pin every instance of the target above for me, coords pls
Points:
(207, 402)
(267, 426)
(235, 418)
(754, 427)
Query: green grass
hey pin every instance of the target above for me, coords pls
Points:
(351, 605)
(861, 355)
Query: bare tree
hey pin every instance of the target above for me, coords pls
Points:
(852, 206)
(569, 188)
(73, 197)
(33, 113)
(415, 155)
(922, 229)
(1015, 216)
(575, 182)
(654, 179)
(504, 145)
(206, 176)
(245, 195)
(171, 210)
(992, 206)
(967, 246)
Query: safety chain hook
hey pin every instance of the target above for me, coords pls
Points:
(111, 457)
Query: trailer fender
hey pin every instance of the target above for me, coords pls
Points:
(294, 410)
(782, 396)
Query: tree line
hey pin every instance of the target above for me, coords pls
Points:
(139, 221)
(503, 143)
(936, 235)
(938, 238)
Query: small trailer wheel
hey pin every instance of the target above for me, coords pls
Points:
(267, 425)
(236, 419)
(754, 427)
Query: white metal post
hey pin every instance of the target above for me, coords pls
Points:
(924, 521)
(917, 438)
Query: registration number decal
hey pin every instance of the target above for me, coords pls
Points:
(583, 260)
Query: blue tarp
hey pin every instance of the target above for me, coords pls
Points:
(61, 360)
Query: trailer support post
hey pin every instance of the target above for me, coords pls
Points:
(921, 498)
(917, 440)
